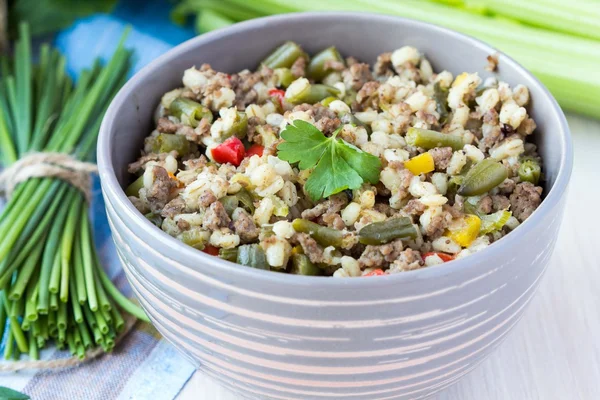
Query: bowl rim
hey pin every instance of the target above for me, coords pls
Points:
(117, 198)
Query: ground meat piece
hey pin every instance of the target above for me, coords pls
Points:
(216, 217)
(310, 247)
(253, 122)
(491, 117)
(174, 207)
(414, 207)
(158, 194)
(384, 208)
(207, 198)
(139, 204)
(333, 220)
(165, 125)
(441, 157)
(383, 66)
(438, 225)
(500, 202)
(380, 256)
(245, 228)
(485, 205)
(334, 65)
(195, 163)
(357, 75)
(367, 95)
(183, 225)
(455, 210)
(328, 125)
(507, 187)
(525, 199)
(140, 164)
(491, 135)
(492, 62)
(408, 260)
(333, 205)
(428, 118)
(299, 67)
(243, 86)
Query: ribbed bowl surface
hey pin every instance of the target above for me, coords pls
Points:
(277, 336)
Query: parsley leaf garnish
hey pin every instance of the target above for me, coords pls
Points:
(338, 165)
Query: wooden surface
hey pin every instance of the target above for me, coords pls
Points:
(554, 352)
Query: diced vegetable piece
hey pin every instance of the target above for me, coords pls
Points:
(467, 232)
(252, 255)
(443, 256)
(154, 218)
(134, 188)
(530, 171)
(317, 68)
(494, 222)
(311, 94)
(194, 238)
(421, 164)
(229, 254)
(166, 142)
(284, 56)
(278, 94)
(284, 77)
(189, 111)
(375, 272)
(246, 200)
(239, 128)
(301, 265)
(323, 235)
(428, 139)
(230, 151)
(383, 232)
(210, 249)
(255, 149)
(230, 203)
(327, 100)
(441, 102)
(483, 177)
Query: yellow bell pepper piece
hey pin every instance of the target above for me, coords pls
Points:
(421, 164)
(468, 231)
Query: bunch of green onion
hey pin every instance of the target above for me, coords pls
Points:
(558, 41)
(52, 286)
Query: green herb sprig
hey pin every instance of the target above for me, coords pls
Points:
(338, 165)
(52, 285)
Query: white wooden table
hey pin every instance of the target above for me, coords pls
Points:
(554, 352)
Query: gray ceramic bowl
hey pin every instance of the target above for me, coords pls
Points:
(271, 335)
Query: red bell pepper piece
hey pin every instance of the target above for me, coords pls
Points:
(255, 149)
(278, 94)
(375, 272)
(212, 250)
(230, 151)
(445, 257)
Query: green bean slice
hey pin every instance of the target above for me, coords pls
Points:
(383, 232)
(229, 254)
(323, 235)
(483, 177)
(530, 171)
(284, 77)
(284, 56)
(317, 69)
(252, 255)
(301, 265)
(165, 143)
(246, 200)
(428, 139)
(189, 111)
(230, 203)
(313, 94)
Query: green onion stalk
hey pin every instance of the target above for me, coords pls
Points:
(52, 285)
(559, 43)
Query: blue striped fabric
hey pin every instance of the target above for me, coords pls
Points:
(143, 366)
